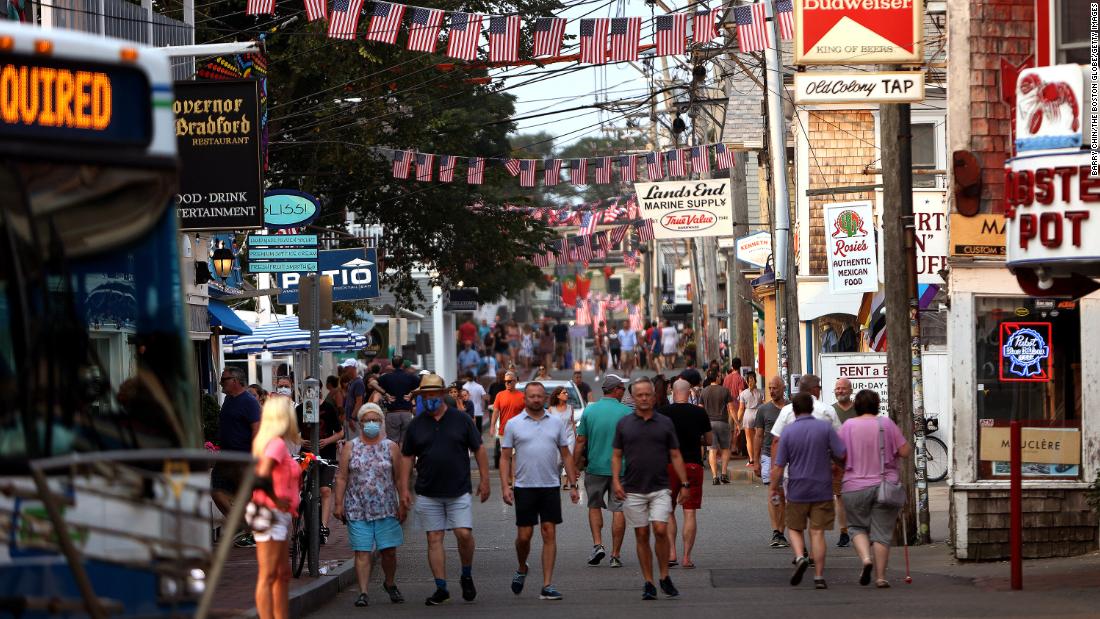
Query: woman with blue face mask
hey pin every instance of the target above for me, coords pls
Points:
(367, 500)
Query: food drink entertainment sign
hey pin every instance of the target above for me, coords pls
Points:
(850, 247)
(218, 136)
(687, 209)
(853, 32)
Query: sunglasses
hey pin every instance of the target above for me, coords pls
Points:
(509, 382)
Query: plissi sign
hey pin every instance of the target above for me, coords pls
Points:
(287, 208)
(687, 209)
(853, 32)
(882, 87)
(850, 247)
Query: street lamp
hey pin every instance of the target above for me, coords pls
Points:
(223, 262)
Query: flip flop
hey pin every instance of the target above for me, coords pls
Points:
(865, 574)
(687, 566)
(882, 584)
(673, 563)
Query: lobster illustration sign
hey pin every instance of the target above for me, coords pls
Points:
(850, 248)
(1049, 111)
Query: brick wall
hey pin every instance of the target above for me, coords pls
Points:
(842, 146)
(1056, 523)
(998, 30)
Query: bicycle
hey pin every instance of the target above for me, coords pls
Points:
(299, 526)
(935, 452)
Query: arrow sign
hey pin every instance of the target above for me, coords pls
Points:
(281, 240)
(282, 267)
(282, 253)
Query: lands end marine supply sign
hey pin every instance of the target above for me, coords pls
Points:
(853, 32)
(687, 209)
(850, 247)
(218, 134)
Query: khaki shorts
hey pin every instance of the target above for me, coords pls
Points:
(641, 509)
(820, 515)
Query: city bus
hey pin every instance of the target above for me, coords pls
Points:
(104, 494)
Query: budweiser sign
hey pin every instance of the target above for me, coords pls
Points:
(687, 209)
(853, 32)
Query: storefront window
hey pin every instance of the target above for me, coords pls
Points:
(1028, 360)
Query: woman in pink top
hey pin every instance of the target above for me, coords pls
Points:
(871, 523)
(270, 517)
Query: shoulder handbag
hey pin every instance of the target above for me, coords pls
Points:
(889, 493)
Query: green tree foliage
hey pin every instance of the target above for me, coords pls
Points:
(565, 193)
(338, 108)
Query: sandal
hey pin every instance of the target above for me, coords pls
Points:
(882, 584)
(687, 565)
(361, 600)
(865, 575)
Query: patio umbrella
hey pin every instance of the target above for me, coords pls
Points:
(283, 334)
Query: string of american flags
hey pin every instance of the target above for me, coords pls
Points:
(602, 39)
(658, 165)
(590, 245)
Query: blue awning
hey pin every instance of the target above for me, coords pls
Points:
(221, 315)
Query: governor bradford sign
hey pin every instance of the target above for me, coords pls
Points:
(218, 136)
(857, 31)
(687, 209)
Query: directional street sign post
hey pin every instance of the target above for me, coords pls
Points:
(282, 253)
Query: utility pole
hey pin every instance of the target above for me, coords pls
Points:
(906, 394)
(740, 292)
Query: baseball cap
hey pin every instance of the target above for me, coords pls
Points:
(349, 363)
(612, 382)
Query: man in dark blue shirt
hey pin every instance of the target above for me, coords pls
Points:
(398, 385)
(237, 424)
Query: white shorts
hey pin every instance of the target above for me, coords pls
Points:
(279, 529)
(641, 509)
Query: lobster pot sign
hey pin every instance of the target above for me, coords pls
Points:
(850, 247)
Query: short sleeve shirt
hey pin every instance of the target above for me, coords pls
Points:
(597, 425)
(537, 444)
(734, 382)
(821, 411)
(860, 438)
(235, 422)
(807, 450)
(585, 390)
(627, 339)
(356, 389)
(442, 450)
(507, 404)
(766, 414)
(714, 399)
(645, 444)
(691, 423)
(477, 395)
(398, 384)
(285, 477)
(844, 415)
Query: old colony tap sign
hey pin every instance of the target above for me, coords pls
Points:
(687, 209)
(1052, 188)
(850, 247)
(854, 32)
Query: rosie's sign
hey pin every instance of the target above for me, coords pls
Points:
(687, 209)
(850, 247)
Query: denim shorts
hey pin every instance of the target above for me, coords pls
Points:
(444, 514)
(371, 535)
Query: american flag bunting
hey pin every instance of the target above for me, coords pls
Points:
(541, 259)
(526, 173)
(784, 12)
(504, 38)
(631, 259)
(604, 241)
(578, 171)
(512, 165)
(424, 27)
(618, 233)
(752, 27)
(402, 161)
(260, 7)
(446, 168)
(475, 171)
(700, 159)
(635, 317)
(676, 165)
(594, 40)
(561, 251)
(602, 166)
(654, 168)
(344, 19)
(723, 157)
(626, 34)
(582, 249)
(589, 223)
(551, 172)
(671, 34)
(548, 35)
(705, 25)
(584, 313)
(463, 34)
(644, 230)
(628, 168)
(424, 162)
(316, 9)
(632, 209)
(385, 22)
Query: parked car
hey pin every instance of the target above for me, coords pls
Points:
(574, 394)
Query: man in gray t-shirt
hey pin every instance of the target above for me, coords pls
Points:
(718, 402)
(766, 415)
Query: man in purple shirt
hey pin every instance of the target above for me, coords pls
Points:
(808, 447)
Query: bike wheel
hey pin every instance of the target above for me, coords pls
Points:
(298, 548)
(935, 454)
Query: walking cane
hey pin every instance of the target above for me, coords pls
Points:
(905, 540)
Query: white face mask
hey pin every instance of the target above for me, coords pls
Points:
(284, 391)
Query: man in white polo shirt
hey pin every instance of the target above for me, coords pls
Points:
(536, 443)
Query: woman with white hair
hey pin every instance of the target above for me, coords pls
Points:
(274, 504)
(367, 500)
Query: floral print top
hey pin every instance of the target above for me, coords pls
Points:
(371, 493)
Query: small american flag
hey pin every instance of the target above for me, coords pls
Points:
(316, 9)
(632, 207)
(635, 316)
(752, 27)
(527, 173)
(584, 313)
(644, 230)
(631, 259)
(671, 34)
(589, 223)
(424, 29)
(463, 35)
(628, 168)
(475, 171)
(578, 171)
(424, 163)
(676, 165)
(582, 249)
(604, 241)
(723, 157)
(626, 33)
(385, 22)
(504, 38)
(446, 168)
(512, 165)
(700, 159)
(704, 26)
(594, 40)
(603, 170)
(402, 160)
(561, 251)
(618, 233)
(548, 35)
(653, 166)
(260, 7)
(785, 12)
(345, 18)
(551, 172)
(541, 259)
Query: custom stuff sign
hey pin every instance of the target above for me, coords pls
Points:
(218, 136)
(854, 32)
(687, 209)
(850, 248)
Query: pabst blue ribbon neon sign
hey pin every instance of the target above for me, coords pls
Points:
(1025, 351)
